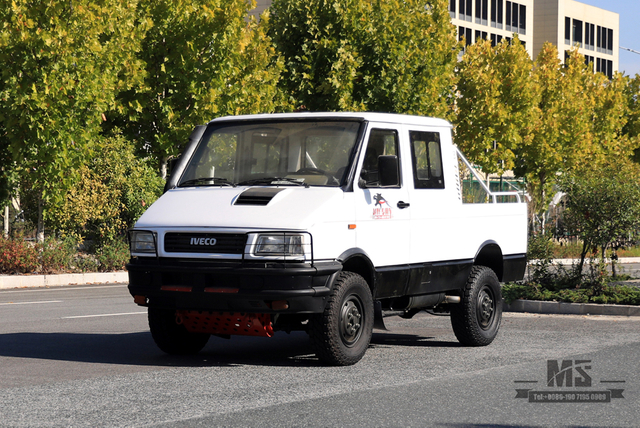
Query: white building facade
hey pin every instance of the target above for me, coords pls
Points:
(568, 23)
(493, 20)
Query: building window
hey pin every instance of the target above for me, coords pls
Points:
(482, 9)
(604, 40)
(589, 36)
(465, 34)
(480, 35)
(576, 33)
(495, 39)
(452, 8)
(605, 67)
(497, 12)
(464, 10)
(522, 28)
(589, 62)
(516, 18)
(567, 30)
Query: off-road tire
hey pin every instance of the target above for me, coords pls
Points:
(341, 335)
(476, 319)
(171, 337)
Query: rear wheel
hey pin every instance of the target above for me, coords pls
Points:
(341, 335)
(171, 337)
(476, 319)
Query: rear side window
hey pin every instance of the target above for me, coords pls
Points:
(427, 160)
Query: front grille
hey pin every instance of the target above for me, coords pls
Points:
(202, 243)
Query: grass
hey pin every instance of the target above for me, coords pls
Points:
(547, 281)
(608, 294)
(572, 251)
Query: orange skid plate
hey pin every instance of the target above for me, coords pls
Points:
(239, 323)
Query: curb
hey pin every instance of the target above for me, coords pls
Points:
(569, 262)
(23, 281)
(563, 308)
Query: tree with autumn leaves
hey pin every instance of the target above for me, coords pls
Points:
(79, 74)
(200, 59)
(63, 64)
(541, 118)
(367, 55)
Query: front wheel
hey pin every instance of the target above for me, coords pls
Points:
(341, 335)
(171, 337)
(476, 319)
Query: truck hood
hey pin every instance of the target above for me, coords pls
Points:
(292, 208)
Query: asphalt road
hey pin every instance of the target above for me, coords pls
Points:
(83, 357)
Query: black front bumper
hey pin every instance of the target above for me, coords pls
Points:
(230, 286)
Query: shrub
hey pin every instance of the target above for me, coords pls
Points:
(17, 256)
(57, 255)
(86, 263)
(611, 294)
(540, 255)
(110, 195)
(603, 206)
(113, 255)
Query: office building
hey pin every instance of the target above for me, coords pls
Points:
(568, 23)
(493, 20)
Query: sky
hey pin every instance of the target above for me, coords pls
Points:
(629, 11)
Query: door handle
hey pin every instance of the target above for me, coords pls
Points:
(402, 204)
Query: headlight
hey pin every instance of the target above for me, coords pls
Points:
(281, 245)
(142, 242)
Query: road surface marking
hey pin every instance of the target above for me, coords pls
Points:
(63, 288)
(30, 303)
(104, 315)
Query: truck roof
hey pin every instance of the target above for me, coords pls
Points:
(368, 116)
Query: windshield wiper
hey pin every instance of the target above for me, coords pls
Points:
(207, 181)
(274, 180)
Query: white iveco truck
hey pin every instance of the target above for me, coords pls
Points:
(320, 222)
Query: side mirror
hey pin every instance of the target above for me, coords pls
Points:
(388, 171)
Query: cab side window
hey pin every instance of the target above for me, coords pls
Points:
(427, 160)
(382, 142)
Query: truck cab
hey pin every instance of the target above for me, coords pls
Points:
(321, 222)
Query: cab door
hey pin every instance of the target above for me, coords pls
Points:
(383, 213)
(435, 223)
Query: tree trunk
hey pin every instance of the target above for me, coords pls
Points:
(40, 231)
(583, 254)
(163, 167)
(6, 222)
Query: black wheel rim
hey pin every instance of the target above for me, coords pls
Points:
(351, 320)
(486, 308)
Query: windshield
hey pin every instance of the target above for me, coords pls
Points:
(266, 153)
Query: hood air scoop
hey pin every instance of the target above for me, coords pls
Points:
(257, 196)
